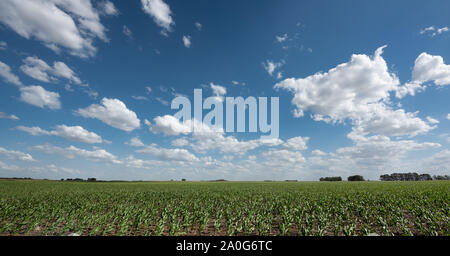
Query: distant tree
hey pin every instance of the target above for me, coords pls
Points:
(92, 179)
(441, 177)
(355, 178)
(183, 179)
(411, 176)
(330, 179)
(425, 176)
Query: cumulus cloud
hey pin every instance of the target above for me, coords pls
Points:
(170, 125)
(7, 75)
(271, 66)
(282, 38)
(175, 154)
(431, 68)
(187, 41)
(40, 70)
(205, 138)
(112, 112)
(281, 157)
(296, 143)
(358, 90)
(37, 96)
(72, 152)
(427, 68)
(437, 162)
(107, 8)
(160, 12)
(72, 133)
(16, 155)
(72, 25)
(180, 142)
(135, 142)
(7, 116)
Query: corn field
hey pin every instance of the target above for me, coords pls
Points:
(55, 208)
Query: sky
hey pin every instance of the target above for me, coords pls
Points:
(86, 88)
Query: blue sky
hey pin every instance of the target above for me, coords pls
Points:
(86, 87)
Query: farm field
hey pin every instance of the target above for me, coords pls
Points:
(32, 207)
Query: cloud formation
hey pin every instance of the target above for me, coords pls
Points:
(72, 133)
(358, 90)
(67, 24)
(40, 70)
(112, 112)
(160, 12)
(37, 96)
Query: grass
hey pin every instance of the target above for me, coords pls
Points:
(31, 207)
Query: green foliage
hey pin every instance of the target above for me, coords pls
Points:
(224, 208)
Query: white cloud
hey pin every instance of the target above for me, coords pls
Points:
(7, 116)
(72, 133)
(358, 90)
(112, 112)
(441, 30)
(448, 116)
(60, 169)
(281, 157)
(107, 8)
(271, 66)
(40, 70)
(318, 152)
(218, 91)
(127, 31)
(8, 76)
(205, 138)
(72, 25)
(160, 12)
(37, 96)
(133, 162)
(431, 68)
(3, 45)
(279, 75)
(175, 154)
(198, 26)
(437, 162)
(16, 155)
(427, 29)
(170, 125)
(5, 167)
(180, 142)
(427, 68)
(72, 152)
(187, 41)
(432, 120)
(282, 38)
(369, 156)
(35, 131)
(139, 97)
(135, 142)
(296, 143)
(162, 101)
(433, 31)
